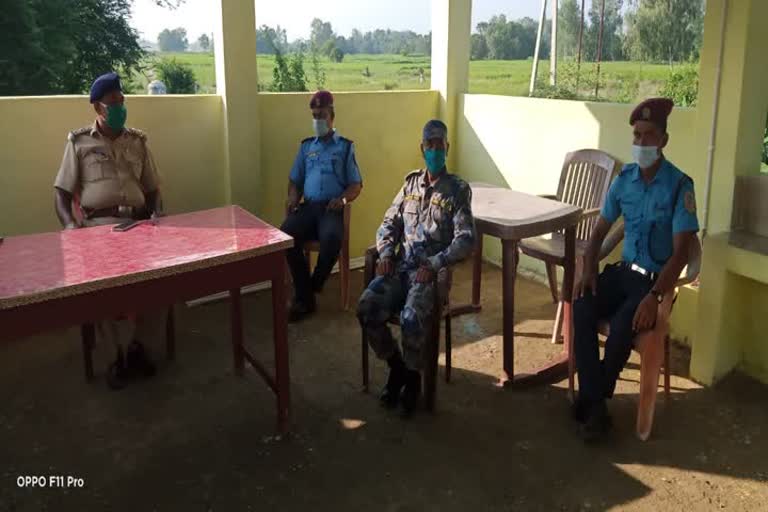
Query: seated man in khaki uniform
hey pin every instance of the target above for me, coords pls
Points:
(110, 176)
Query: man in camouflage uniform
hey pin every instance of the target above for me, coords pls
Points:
(108, 170)
(428, 227)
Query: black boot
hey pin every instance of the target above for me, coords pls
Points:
(117, 373)
(138, 362)
(580, 410)
(390, 395)
(301, 309)
(598, 423)
(411, 392)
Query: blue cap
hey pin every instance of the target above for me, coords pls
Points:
(435, 129)
(105, 84)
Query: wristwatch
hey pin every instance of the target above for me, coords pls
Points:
(344, 200)
(659, 296)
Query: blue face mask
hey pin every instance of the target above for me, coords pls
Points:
(435, 159)
(320, 127)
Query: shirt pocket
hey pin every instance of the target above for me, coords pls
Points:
(632, 209)
(98, 166)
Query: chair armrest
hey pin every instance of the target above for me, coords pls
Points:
(588, 214)
(691, 271)
(551, 197)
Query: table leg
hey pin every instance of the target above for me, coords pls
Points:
(88, 334)
(238, 350)
(557, 369)
(477, 276)
(509, 275)
(280, 333)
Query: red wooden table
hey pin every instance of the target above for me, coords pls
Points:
(54, 280)
(512, 216)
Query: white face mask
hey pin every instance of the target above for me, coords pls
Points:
(320, 127)
(645, 156)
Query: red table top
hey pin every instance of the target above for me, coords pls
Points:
(34, 268)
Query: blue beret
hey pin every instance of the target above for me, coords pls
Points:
(435, 129)
(105, 84)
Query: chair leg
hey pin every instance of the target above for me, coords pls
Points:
(170, 335)
(557, 330)
(88, 334)
(344, 275)
(448, 348)
(552, 277)
(365, 362)
(651, 350)
(667, 369)
(430, 368)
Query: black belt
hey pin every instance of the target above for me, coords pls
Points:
(127, 212)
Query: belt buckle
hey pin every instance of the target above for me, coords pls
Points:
(125, 211)
(639, 269)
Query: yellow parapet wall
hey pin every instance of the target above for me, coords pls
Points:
(185, 134)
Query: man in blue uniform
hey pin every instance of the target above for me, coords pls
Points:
(326, 176)
(429, 226)
(659, 208)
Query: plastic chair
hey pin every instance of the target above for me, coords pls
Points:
(652, 345)
(584, 182)
(344, 271)
(443, 280)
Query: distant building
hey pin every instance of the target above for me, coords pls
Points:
(156, 87)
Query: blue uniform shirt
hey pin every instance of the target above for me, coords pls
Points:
(325, 169)
(650, 217)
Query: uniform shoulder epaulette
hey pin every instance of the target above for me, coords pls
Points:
(626, 168)
(308, 139)
(76, 133)
(412, 174)
(136, 133)
(350, 141)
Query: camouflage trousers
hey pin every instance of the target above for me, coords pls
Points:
(387, 296)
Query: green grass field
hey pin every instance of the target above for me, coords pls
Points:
(396, 72)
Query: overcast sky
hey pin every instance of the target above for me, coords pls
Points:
(296, 15)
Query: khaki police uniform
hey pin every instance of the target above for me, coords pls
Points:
(111, 178)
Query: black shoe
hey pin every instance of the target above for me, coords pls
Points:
(301, 309)
(390, 395)
(579, 410)
(411, 392)
(138, 362)
(598, 424)
(117, 373)
(317, 286)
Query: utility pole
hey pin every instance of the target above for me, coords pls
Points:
(553, 51)
(535, 69)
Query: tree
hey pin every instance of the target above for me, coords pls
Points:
(612, 31)
(204, 42)
(568, 28)
(658, 30)
(173, 40)
(268, 38)
(60, 46)
(336, 55)
(479, 47)
(177, 77)
(322, 32)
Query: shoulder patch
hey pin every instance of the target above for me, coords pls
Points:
(136, 133)
(689, 201)
(76, 133)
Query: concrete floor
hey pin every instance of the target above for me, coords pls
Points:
(197, 438)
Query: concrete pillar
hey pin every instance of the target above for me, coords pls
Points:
(451, 29)
(743, 106)
(236, 82)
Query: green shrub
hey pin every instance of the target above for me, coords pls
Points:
(177, 77)
(682, 86)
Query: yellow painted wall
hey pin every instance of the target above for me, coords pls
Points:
(184, 133)
(386, 128)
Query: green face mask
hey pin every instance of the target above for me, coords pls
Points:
(116, 116)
